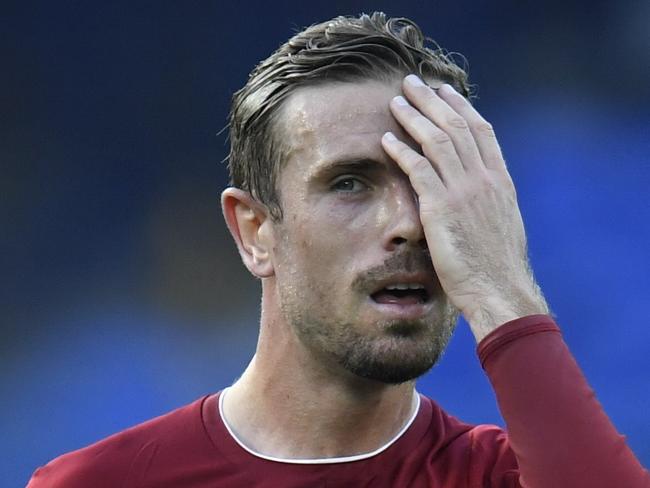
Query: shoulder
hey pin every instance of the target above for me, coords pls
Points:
(117, 461)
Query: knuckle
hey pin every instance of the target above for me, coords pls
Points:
(421, 165)
(421, 182)
(456, 122)
(494, 161)
(485, 128)
(509, 184)
(486, 184)
(440, 137)
(485, 180)
(496, 182)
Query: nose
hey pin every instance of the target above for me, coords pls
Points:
(404, 225)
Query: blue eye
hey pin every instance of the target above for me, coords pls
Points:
(349, 185)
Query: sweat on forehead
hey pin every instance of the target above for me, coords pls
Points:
(317, 122)
(312, 107)
(315, 118)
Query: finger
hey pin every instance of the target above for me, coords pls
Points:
(446, 118)
(422, 175)
(481, 129)
(436, 145)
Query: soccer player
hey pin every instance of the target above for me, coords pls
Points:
(372, 201)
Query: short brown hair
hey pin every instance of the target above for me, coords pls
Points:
(368, 47)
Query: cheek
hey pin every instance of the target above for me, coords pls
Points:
(355, 219)
(337, 238)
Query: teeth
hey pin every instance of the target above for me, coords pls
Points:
(405, 286)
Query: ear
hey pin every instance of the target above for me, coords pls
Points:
(249, 224)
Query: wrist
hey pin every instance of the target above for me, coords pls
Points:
(491, 312)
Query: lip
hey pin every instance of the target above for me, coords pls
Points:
(424, 279)
(396, 311)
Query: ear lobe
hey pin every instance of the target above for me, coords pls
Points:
(248, 222)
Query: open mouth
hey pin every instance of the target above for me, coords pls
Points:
(401, 294)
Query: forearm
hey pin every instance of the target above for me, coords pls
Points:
(557, 429)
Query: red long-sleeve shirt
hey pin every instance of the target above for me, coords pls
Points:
(557, 436)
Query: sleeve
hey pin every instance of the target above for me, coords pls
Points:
(558, 431)
(76, 472)
(107, 464)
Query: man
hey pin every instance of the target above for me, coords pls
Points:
(372, 201)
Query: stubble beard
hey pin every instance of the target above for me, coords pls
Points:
(393, 352)
(409, 350)
(401, 351)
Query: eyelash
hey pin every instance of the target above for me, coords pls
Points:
(349, 178)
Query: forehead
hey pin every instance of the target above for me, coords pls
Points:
(336, 119)
(327, 105)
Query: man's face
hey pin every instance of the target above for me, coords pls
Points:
(351, 240)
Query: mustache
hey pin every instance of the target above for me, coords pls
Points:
(408, 260)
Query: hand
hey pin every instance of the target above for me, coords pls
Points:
(468, 206)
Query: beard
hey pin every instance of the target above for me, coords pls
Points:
(393, 352)
(400, 357)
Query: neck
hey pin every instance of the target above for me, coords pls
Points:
(289, 405)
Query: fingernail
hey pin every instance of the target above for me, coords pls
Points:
(414, 80)
(388, 136)
(400, 100)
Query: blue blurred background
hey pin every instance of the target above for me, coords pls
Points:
(122, 296)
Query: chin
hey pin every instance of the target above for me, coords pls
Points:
(392, 374)
(393, 360)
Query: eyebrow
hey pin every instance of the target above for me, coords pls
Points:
(355, 164)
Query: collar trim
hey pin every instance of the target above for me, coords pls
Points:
(333, 460)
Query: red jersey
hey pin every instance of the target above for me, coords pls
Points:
(557, 436)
